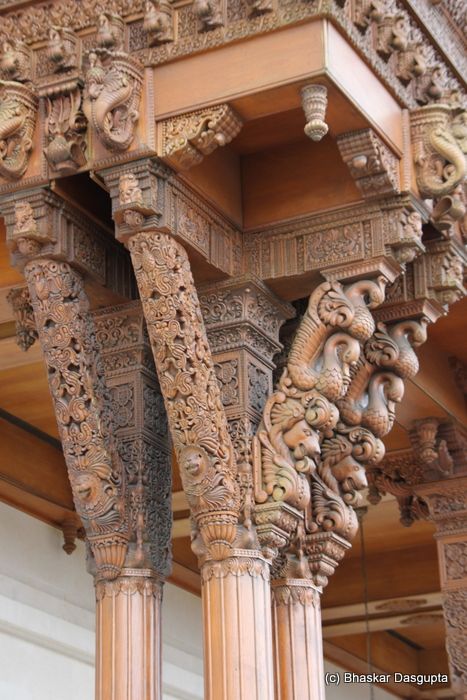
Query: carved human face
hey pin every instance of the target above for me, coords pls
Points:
(302, 440)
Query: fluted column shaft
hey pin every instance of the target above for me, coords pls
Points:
(128, 637)
(237, 628)
(297, 640)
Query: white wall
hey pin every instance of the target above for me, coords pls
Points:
(47, 623)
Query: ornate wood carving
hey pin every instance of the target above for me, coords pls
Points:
(309, 467)
(158, 22)
(314, 103)
(209, 13)
(439, 156)
(20, 302)
(378, 34)
(113, 85)
(242, 320)
(81, 404)
(189, 385)
(187, 138)
(62, 48)
(65, 127)
(372, 165)
(141, 432)
(41, 222)
(18, 109)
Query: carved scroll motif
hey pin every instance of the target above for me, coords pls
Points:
(190, 137)
(18, 109)
(305, 471)
(113, 85)
(65, 128)
(439, 156)
(189, 385)
(76, 381)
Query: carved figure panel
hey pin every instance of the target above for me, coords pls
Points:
(18, 109)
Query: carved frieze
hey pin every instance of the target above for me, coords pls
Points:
(20, 302)
(18, 110)
(372, 165)
(186, 139)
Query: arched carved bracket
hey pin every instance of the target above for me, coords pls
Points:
(77, 385)
(186, 139)
(189, 385)
(305, 477)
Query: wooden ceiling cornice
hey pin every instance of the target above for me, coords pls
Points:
(390, 57)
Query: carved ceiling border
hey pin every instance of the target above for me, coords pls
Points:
(32, 24)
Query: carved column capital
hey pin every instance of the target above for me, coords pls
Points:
(373, 166)
(187, 138)
(40, 224)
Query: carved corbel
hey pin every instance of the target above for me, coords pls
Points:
(444, 269)
(158, 22)
(18, 110)
(439, 157)
(209, 14)
(409, 244)
(113, 86)
(372, 165)
(20, 302)
(186, 139)
(314, 104)
(304, 475)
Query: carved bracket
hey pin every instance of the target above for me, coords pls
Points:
(186, 139)
(372, 165)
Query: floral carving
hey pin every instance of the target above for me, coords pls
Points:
(189, 385)
(18, 109)
(227, 376)
(82, 406)
(190, 137)
(65, 128)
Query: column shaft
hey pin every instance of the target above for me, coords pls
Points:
(237, 628)
(297, 639)
(128, 637)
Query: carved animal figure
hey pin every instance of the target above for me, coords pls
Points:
(209, 13)
(158, 22)
(16, 127)
(439, 174)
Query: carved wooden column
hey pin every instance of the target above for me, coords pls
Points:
(127, 527)
(128, 654)
(235, 579)
(309, 468)
(447, 503)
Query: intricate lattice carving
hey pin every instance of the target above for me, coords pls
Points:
(188, 138)
(189, 386)
(78, 390)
